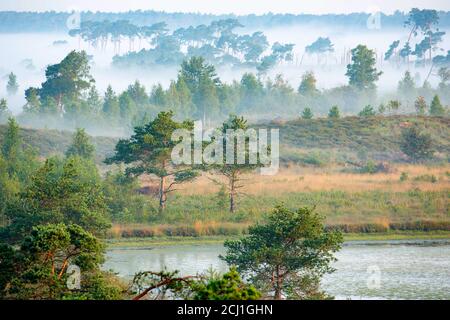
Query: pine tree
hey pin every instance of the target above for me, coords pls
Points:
(127, 106)
(307, 113)
(4, 112)
(149, 152)
(406, 86)
(436, 108)
(93, 100)
(33, 104)
(287, 254)
(393, 106)
(81, 146)
(111, 106)
(11, 140)
(362, 72)
(67, 80)
(368, 111)
(334, 113)
(12, 85)
(420, 105)
(158, 96)
(308, 84)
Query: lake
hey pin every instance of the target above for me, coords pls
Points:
(416, 269)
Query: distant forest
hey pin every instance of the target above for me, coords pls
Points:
(11, 21)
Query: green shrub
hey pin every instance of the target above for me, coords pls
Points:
(373, 167)
(422, 225)
(315, 158)
(138, 233)
(426, 178)
(358, 228)
(404, 176)
(370, 167)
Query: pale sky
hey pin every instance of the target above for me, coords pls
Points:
(226, 6)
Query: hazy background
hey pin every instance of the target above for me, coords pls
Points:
(229, 6)
(39, 48)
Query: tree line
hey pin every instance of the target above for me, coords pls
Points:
(217, 43)
(68, 97)
(11, 21)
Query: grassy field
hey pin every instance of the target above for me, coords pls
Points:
(314, 141)
(317, 172)
(319, 141)
(330, 178)
(351, 202)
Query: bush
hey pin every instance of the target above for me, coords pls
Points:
(404, 176)
(423, 225)
(418, 146)
(373, 167)
(368, 111)
(334, 113)
(138, 233)
(358, 228)
(370, 167)
(426, 178)
(315, 158)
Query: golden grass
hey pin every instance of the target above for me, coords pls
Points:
(298, 179)
(199, 228)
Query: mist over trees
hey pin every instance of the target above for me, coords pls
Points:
(361, 72)
(68, 98)
(56, 21)
(217, 43)
(424, 38)
(222, 45)
(12, 86)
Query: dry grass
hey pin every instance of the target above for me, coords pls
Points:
(202, 229)
(298, 179)
(343, 198)
(197, 229)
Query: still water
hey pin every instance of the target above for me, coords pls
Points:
(364, 270)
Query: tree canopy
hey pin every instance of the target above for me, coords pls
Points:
(416, 144)
(148, 151)
(12, 86)
(286, 255)
(362, 72)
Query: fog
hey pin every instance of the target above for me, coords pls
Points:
(40, 50)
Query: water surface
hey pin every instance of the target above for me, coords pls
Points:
(364, 270)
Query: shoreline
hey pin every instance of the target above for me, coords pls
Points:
(201, 240)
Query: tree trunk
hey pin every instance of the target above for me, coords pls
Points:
(162, 194)
(279, 281)
(59, 104)
(277, 295)
(204, 117)
(232, 205)
(429, 73)
(431, 59)
(232, 192)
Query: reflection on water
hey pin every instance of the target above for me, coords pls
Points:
(407, 269)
